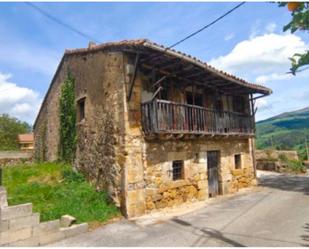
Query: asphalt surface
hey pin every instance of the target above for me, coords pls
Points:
(276, 213)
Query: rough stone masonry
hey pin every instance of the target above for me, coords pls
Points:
(112, 149)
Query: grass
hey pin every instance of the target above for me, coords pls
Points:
(55, 189)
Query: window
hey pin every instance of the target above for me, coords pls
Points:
(177, 170)
(196, 100)
(237, 159)
(81, 109)
(238, 104)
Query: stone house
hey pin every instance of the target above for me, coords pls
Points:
(155, 127)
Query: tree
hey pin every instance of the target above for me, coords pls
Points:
(10, 127)
(300, 21)
(67, 120)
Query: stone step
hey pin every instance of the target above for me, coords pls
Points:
(74, 229)
(13, 212)
(3, 197)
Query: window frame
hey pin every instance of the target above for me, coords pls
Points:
(195, 99)
(237, 161)
(81, 106)
(239, 104)
(177, 173)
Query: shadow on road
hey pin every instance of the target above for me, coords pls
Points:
(305, 237)
(286, 183)
(212, 233)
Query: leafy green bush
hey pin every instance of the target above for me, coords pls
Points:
(292, 165)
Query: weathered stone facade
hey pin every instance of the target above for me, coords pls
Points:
(112, 150)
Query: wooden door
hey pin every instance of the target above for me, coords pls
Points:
(212, 172)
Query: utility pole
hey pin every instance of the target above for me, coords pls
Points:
(306, 147)
(272, 142)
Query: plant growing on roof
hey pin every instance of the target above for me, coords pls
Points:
(67, 120)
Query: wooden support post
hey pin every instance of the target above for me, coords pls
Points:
(133, 76)
(159, 81)
(155, 94)
(252, 138)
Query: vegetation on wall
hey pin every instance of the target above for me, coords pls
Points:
(40, 143)
(10, 127)
(67, 120)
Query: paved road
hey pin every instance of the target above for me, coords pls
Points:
(275, 214)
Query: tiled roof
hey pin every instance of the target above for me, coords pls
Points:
(149, 44)
(25, 137)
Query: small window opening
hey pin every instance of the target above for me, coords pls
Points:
(177, 170)
(239, 104)
(81, 109)
(197, 99)
(237, 159)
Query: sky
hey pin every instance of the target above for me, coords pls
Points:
(248, 43)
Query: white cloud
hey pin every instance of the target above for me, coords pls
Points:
(20, 102)
(274, 76)
(257, 29)
(229, 36)
(264, 57)
(270, 27)
(262, 104)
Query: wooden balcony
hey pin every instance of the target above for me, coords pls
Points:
(166, 117)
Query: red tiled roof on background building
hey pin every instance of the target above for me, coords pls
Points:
(25, 138)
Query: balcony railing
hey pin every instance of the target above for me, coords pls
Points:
(161, 116)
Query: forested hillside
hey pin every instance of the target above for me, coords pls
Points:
(286, 131)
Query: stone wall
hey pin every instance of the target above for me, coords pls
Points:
(19, 226)
(148, 182)
(99, 80)
(162, 191)
(111, 148)
(46, 129)
(99, 154)
(8, 158)
(270, 159)
(275, 154)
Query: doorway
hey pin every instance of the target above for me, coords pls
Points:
(213, 158)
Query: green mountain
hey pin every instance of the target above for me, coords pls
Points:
(285, 131)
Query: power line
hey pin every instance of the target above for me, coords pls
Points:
(56, 20)
(207, 26)
(200, 30)
(88, 37)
